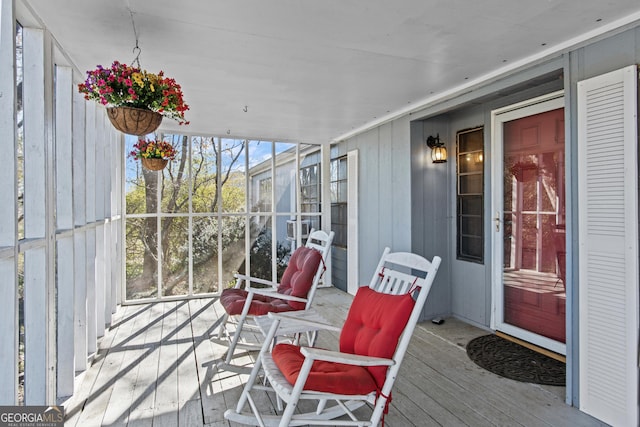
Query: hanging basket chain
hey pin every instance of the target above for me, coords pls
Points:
(136, 49)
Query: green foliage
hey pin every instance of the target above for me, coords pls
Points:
(260, 258)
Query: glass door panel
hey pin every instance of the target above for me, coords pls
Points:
(533, 214)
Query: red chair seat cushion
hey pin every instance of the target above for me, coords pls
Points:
(326, 377)
(233, 301)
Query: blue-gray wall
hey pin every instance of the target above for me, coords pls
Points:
(408, 203)
(384, 200)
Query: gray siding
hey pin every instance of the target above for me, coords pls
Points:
(384, 199)
(339, 268)
(408, 203)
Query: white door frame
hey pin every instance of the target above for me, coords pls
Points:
(353, 262)
(527, 108)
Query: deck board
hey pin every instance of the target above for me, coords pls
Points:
(157, 366)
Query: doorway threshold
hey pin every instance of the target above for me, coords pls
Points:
(533, 347)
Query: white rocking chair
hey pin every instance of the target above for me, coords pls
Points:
(295, 292)
(373, 342)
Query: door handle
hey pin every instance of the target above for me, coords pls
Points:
(497, 220)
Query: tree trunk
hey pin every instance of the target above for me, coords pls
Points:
(150, 231)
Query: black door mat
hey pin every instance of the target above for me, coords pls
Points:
(511, 360)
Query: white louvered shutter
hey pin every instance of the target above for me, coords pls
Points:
(608, 246)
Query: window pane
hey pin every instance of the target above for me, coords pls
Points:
(529, 195)
(471, 226)
(141, 185)
(141, 258)
(233, 249)
(175, 256)
(548, 253)
(548, 174)
(285, 177)
(205, 254)
(233, 175)
(472, 247)
(470, 184)
(175, 183)
(334, 192)
(471, 141)
(470, 162)
(342, 169)
(310, 182)
(204, 158)
(260, 154)
(261, 252)
(529, 242)
(471, 205)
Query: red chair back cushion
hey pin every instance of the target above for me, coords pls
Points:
(298, 277)
(374, 325)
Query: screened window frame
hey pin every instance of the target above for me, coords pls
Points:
(339, 228)
(463, 197)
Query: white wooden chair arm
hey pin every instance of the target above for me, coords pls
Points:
(347, 358)
(300, 318)
(248, 280)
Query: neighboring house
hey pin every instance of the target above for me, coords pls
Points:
(554, 162)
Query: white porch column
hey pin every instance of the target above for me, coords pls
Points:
(8, 203)
(64, 231)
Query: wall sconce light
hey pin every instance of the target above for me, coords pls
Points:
(438, 150)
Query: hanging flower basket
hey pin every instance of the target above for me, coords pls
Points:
(136, 100)
(134, 121)
(154, 164)
(154, 155)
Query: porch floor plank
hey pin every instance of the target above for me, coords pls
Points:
(158, 366)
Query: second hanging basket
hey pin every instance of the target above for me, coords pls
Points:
(154, 164)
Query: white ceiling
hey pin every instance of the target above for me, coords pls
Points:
(313, 71)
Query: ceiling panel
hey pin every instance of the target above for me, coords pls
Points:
(311, 71)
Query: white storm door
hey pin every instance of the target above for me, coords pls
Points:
(527, 207)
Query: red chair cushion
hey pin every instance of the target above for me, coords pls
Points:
(374, 324)
(296, 281)
(327, 377)
(298, 276)
(233, 301)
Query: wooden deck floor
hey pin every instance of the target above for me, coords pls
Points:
(156, 366)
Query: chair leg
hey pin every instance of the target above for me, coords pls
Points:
(238, 331)
(222, 329)
(249, 385)
(234, 342)
(296, 392)
(266, 347)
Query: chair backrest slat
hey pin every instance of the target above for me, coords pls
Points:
(321, 241)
